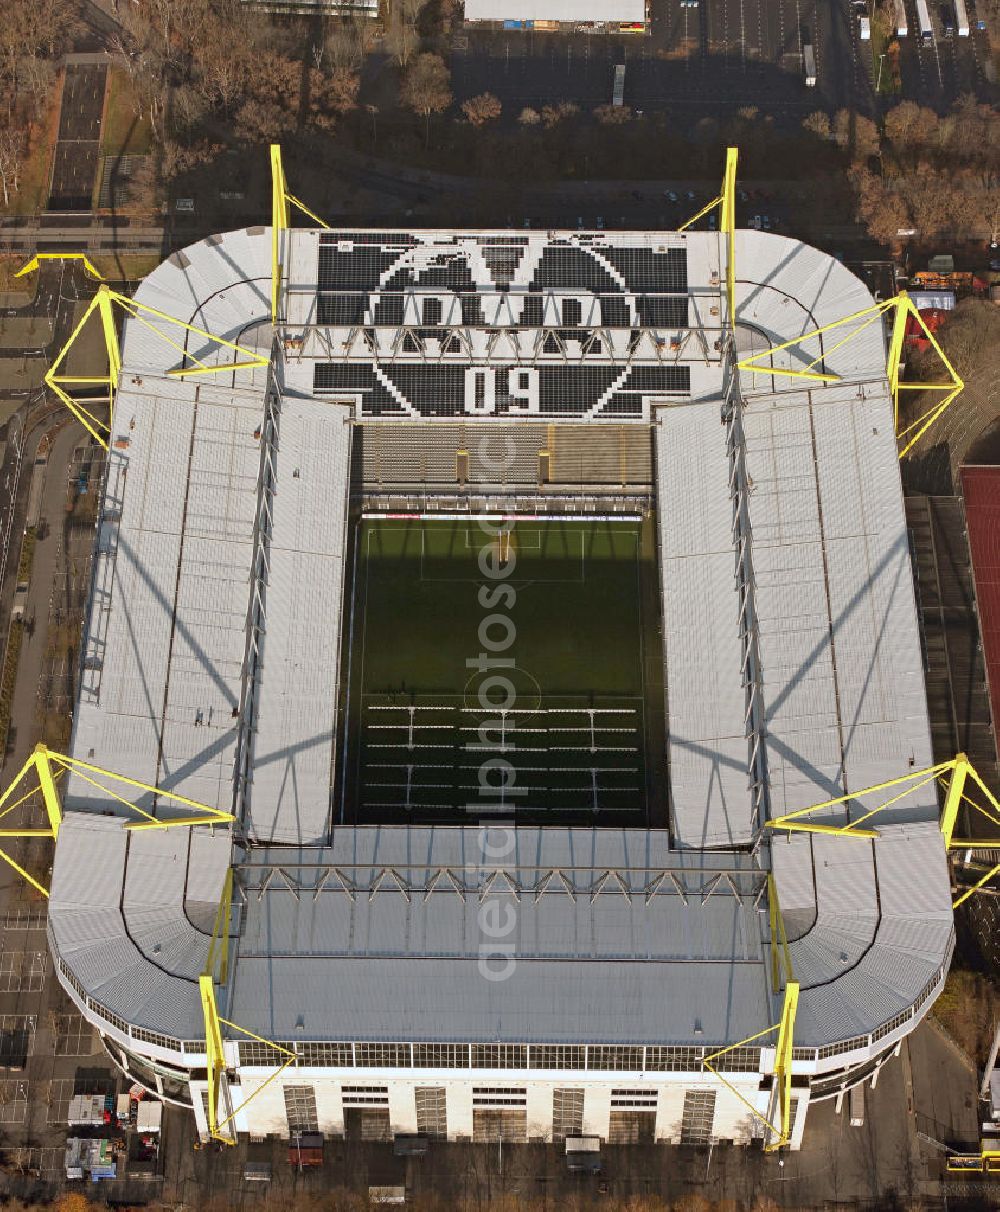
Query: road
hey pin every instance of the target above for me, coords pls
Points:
(76, 162)
(57, 290)
(47, 572)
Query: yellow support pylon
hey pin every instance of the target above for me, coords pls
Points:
(781, 957)
(215, 1056)
(952, 776)
(783, 1063)
(104, 302)
(959, 768)
(785, 1028)
(728, 225)
(221, 1127)
(280, 198)
(50, 766)
(726, 201)
(902, 308)
(218, 948)
(36, 260)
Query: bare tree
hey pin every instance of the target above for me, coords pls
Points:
(529, 116)
(11, 161)
(818, 123)
(855, 133)
(144, 190)
(259, 120)
(613, 115)
(401, 28)
(901, 122)
(552, 115)
(182, 158)
(427, 87)
(482, 109)
(884, 211)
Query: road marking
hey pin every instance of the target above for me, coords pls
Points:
(13, 1101)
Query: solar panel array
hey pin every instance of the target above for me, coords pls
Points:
(443, 301)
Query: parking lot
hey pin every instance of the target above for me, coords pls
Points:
(720, 54)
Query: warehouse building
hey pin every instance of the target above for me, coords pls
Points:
(537, 14)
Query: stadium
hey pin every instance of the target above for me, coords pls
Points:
(499, 598)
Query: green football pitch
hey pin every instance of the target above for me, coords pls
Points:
(567, 729)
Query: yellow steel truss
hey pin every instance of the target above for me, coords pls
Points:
(217, 962)
(37, 259)
(726, 201)
(280, 199)
(781, 956)
(216, 970)
(49, 767)
(952, 775)
(220, 1128)
(901, 309)
(780, 1133)
(103, 303)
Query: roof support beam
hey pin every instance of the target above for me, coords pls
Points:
(780, 1132)
(38, 258)
(726, 202)
(953, 776)
(280, 215)
(104, 303)
(49, 766)
(902, 309)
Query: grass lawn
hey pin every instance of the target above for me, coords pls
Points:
(19, 289)
(584, 718)
(124, 131)
(125, 267)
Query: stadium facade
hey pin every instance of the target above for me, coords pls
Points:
(534, 981)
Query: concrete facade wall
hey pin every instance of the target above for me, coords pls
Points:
(265, 1113)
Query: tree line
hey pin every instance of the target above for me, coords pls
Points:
(935, 174)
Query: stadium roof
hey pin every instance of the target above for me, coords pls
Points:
(211, 658)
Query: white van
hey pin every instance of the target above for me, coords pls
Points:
(865, 29)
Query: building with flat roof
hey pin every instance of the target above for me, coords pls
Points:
(470, 897)
(557, 12)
